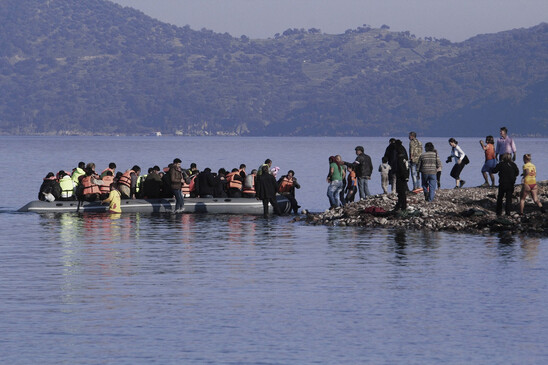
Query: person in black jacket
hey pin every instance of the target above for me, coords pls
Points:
(363, 168)
(152, 187)
(205, 182)
(50, 185)
(266, 188)
(402, 175)
(508, 172)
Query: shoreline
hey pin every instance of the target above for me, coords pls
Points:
(465, 210)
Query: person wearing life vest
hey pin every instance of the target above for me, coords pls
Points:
(139, 186)
(249, 185)
(189, 189)
(235, 183)
(193, 170)
(286, 187)
(67, 186)
(242, 171)
(77, 172)
(268, 164)
(107, 181)
(127, 183)
(112, 168)
(89, 184)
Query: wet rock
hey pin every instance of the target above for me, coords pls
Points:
(462, 210)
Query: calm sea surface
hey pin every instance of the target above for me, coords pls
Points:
(177, 289)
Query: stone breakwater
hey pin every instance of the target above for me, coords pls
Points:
(470, 210)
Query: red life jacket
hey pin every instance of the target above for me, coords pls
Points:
(232, 182)
(89, 187)
(125, 179)
(107, 180)
(286, 185)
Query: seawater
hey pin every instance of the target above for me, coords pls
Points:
(171, 289)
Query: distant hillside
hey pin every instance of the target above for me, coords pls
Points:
(94, 67)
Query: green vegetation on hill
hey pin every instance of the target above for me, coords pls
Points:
(94, 67)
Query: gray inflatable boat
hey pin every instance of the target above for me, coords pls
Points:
(192, 205)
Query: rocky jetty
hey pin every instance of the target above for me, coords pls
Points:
(470, 210)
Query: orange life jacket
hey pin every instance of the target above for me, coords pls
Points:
(89, 187)
(232, 182)
(190, 187)
(352, 179)
(286, 185)
(107, 180)
(125, 179)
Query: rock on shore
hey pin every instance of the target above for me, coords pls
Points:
(461, 210)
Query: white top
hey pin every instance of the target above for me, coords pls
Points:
(458, 153)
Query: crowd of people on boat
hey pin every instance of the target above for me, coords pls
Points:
(83, 183)
(346, 179)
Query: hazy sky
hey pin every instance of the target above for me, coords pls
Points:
(455, 20)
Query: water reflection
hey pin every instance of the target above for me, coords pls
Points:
(530, 247)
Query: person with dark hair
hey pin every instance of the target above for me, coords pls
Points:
(176, 178)
(106, 182)
(351, 185)
(363, 168)
(415, 151)
(235, 183)
(78, 171)
(428, 165)
(111, 167)
(266, 191)
(460, 161)
(490, 161)
(152, 186)
(67, 186)
(335, 180)
(221, 185)
(286, 187)
(402, 175)
(50, 189)
(205, 184)
(89, 188)
(243, 174)
(193, 170)
(114, 200)
(267, 162)
(166, 182)
(391, 156)
(508, 172)
(505, 144)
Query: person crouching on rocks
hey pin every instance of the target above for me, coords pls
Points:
(529, 184)
(460, 161)
(508, 172)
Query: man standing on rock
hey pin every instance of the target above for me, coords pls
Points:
(402, 175)
(504, 145)
(363, 168)
(415, 151)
